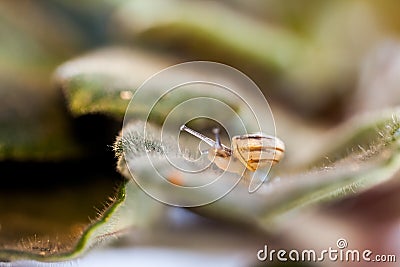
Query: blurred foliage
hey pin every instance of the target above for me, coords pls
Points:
(319, 63)
(311, 64)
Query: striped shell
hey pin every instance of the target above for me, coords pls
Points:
(257, 150)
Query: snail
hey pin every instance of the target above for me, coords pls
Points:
(248, 151)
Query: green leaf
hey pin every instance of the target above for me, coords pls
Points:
(52, 223)
(63, 224)
(363, 163)
(104, 81)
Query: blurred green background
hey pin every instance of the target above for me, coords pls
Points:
(318, 63)
(317, 60)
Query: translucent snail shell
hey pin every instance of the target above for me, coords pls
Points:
(252, 151)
